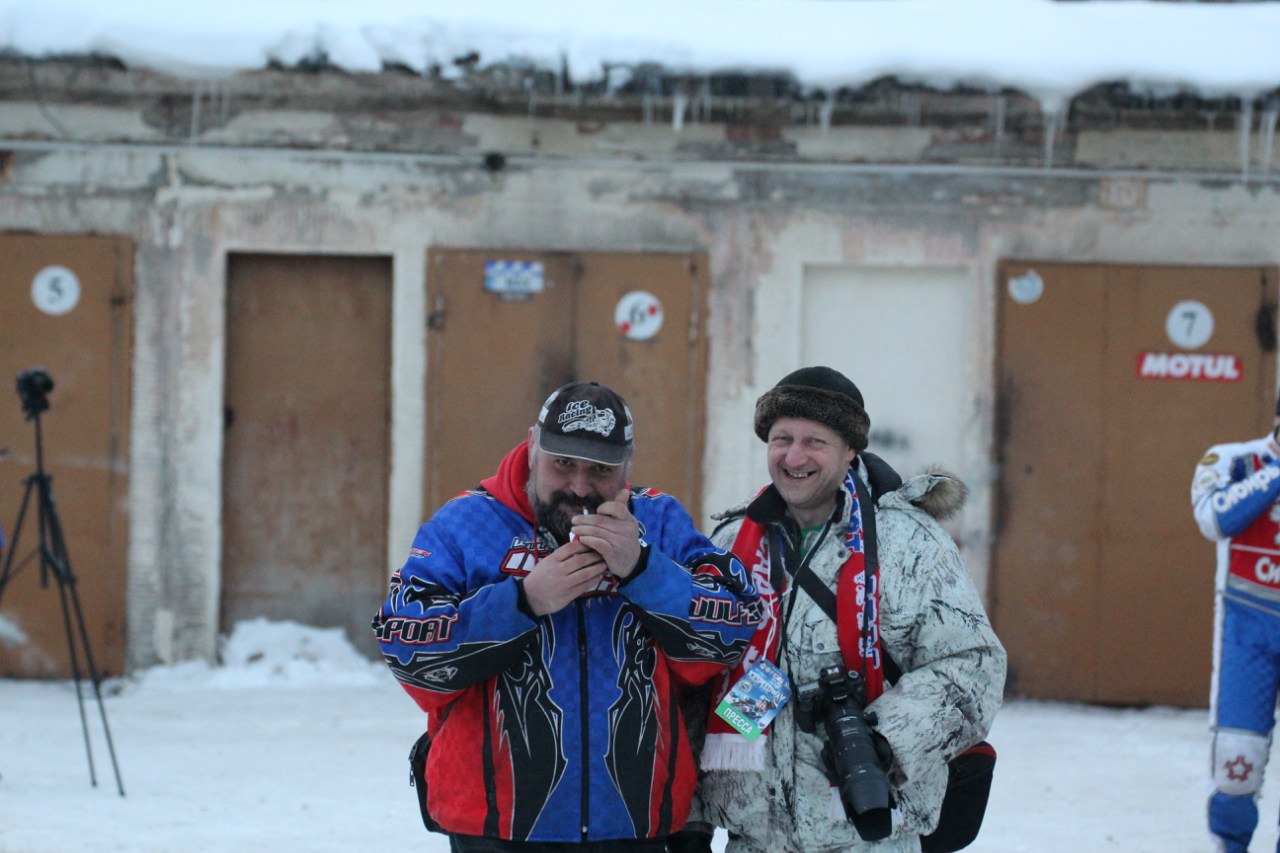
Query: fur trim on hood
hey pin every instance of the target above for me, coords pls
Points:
(937, 491)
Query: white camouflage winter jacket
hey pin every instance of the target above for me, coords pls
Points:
(934, 626)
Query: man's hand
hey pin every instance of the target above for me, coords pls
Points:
(612, 532)
(563, 575)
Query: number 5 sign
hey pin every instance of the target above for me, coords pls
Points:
(55, 290)
(1189, 324)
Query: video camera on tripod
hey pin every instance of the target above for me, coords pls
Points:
(853, 762)
(34, 385)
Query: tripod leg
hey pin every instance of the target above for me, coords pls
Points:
(75, 660)
(17, 533)
(96, 681)
(60, 562)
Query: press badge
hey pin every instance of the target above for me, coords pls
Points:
(755, 700)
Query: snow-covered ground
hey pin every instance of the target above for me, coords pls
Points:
(297, 744)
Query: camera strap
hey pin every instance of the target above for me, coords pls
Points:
(969, 774)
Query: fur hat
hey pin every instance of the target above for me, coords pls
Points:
(817, 394)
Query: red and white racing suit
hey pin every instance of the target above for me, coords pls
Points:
(1234, 495)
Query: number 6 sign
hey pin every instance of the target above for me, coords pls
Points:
(638, 315)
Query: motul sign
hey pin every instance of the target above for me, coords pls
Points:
(1196, 367)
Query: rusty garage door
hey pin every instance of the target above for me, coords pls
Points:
(1112, 381)
(66, 306)
(305, 465)
(507, 328)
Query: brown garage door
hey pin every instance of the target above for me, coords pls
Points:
(1102, 584)
(65, 305)
(306, 461)
(508, 328)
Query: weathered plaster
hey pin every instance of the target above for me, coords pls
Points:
(762, 206)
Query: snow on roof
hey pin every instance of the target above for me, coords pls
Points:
(1050, 50)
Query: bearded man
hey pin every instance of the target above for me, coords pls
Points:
(548, 621)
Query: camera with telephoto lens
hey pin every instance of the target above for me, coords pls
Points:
(852, 762)
(34, 385)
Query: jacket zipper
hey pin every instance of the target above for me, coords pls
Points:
(583, 713)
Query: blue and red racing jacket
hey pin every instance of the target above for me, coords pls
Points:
(564, 728)
(1234, 497)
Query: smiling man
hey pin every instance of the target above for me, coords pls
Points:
(854, 570)
(547, 621)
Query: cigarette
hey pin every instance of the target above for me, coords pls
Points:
(572, 535)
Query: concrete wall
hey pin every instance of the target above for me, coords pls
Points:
(573, 186)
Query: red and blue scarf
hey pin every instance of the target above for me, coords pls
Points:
(857, 608)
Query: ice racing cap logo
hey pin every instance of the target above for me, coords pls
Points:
(586, 420)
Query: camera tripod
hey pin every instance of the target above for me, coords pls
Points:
(54, 560)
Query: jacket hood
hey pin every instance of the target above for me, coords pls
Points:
(509, 485)
(937, 491)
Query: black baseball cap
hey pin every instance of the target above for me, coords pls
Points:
(586, 420)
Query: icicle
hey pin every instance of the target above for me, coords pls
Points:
(196, 98)
(678, 105)
(647, 108)
(912, 107)
(704, 100)
(827, 110)
(1050, 130)
(1243, 129)
(224, 104)
(1051, 120)
(997, 121)
(1269, 133)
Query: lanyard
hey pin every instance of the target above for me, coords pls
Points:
(778, 566)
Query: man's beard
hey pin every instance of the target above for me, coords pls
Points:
(556, 513)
